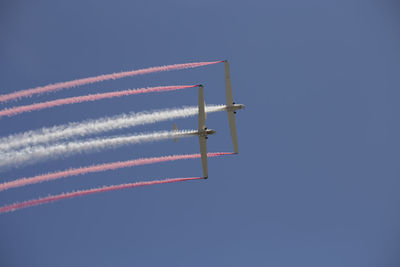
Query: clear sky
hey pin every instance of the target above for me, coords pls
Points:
(317, 178)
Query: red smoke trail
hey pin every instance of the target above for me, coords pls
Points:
(99, 168)
(51, 198)
(79, 99)
(113, 76)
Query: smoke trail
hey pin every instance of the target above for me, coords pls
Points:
(113, 76)
(93, 97)
(99, 168)
(53, 198)
(37, 153)
(85, 128)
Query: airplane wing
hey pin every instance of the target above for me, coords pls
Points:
(228, 85)
(202, 112)
(203, 151)
(230, 103)
(202, 126)
(232, 126)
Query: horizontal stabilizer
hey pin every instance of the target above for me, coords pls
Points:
(175, 130)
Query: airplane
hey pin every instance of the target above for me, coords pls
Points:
(231, 107)
(202, 132)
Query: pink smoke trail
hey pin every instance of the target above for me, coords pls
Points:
(99, 168)
(94, 97)
(113, 76)
(53, 198)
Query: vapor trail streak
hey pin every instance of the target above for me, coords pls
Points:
(89, 127)
(86, 98)
(99, 168)
(113, 76)
(53, 198)
(37, 153)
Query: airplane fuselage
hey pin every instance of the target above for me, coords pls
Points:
(234, 107)
(204, 132)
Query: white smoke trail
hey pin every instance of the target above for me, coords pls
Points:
(85, 128)
(39, 153)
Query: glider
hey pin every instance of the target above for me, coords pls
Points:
(202, 132)
(231, 107)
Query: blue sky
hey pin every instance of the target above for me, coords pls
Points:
(316, 181)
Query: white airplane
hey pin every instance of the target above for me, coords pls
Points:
(231, 107)
(202, 132)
